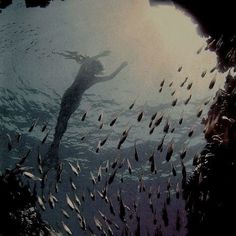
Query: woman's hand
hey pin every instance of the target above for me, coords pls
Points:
(124, 64)
(105, 53)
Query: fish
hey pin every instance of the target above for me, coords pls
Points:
(92, 195)
(158, 191)
(158, 121)
(104, 141)
(107, 166)
(172, 94)
(132, 105)
(129, 167)
(23, 158)
(207, 101)
(199, 113)
(110, 231)
(122, 211)
(82, 223)
(41, 203)
(69, 202)
(212, 83)
(100, 117)
(160, 90)
(150, 192)
(203, 73)
(140, 116)
(66, 228)
(93, 178)
(135, 153)
(101, 125)
(152, 130)
(189, 86)
(84, 116)
(33, 125)
(190, 133)
(151, 205)
(123, 138)
(141, 186)
(98, 146)
(9, 144)
(183, 153)
(168, 198)
(165, 215)
(113, 165)
(183, 83)
(72, 184)
(112, 177)
(174, 102)
(45, 138)
(31, 176)
(18, 137)
(162, 83)
(74, 170)
(168, 186)
(56, 188)
(39, 158)
(171, 83)
(184, 173)
(151, 160)
(51, 201)
(177, 191)
(98, 224)
(153, 116)
(113, 121)
(213, 69)
(77, 199)
(111, 208)
(188, 99)
(166, 127)
(169, 152)
(180, 68)
(78, 166)
(199, 50)
(173, 170)
(99, 176)
(159, 147)
(44, 127)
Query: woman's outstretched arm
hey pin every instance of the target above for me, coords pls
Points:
(112, 75)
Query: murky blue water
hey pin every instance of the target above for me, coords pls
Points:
(33, 79)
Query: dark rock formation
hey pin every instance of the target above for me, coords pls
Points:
(19, 215)
(210, 197)
(37, 3)
(5, 3)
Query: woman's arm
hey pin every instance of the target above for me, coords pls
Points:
(112, 75)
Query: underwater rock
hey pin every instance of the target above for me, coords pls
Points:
(209, 192)
(5, 3)
(19, 214)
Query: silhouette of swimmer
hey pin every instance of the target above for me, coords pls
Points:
(87, 76)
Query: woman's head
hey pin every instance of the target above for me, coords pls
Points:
(92, 67)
